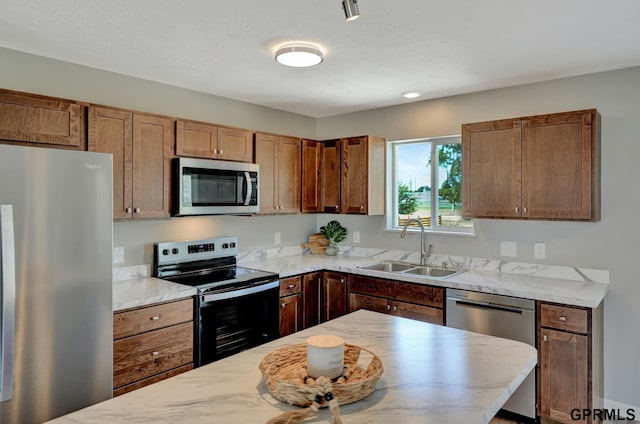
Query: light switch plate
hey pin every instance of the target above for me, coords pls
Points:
(539, 250)
(356, 236)
(508, 248)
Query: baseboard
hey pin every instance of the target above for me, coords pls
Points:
(623, 408)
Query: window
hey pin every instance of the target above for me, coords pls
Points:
(425, 182)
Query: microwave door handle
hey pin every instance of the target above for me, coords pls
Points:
(8, 297)
(247, 182)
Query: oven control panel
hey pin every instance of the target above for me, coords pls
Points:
(193, 250)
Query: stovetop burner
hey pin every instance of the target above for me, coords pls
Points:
(208, 264)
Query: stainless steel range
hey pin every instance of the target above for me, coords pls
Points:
(236, 308)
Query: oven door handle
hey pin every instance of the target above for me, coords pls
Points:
(247, 182)
(214, 297)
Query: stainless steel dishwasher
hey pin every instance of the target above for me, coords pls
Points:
(501, 316)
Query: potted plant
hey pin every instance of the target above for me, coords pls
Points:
(335, 233)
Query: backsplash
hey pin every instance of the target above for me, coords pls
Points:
(451, 261)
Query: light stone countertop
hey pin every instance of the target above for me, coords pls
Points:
(145, 291)
(584, 293)
(432, 375)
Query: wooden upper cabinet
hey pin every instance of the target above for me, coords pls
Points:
(201, 140)
(330, 176)
(279, 158)
(491, 164)
(311, 183)
(362, 178)
(44, 120)
(141, 148)
(538, 167)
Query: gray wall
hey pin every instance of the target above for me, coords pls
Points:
(608, 244)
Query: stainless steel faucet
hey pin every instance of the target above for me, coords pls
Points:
(424, 251)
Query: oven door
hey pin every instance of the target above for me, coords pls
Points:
(210, 187)
(235, 320)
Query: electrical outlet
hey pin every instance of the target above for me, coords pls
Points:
(539, 251)
(356, 236)
(508, 248)
(118, 255)
(278, 238)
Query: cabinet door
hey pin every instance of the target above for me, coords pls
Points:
(311, 296)
(44, 120)
(334, 295)
(491, 162)
(311, 184)
(266, 149)
(289, 170)
(557, 166)
(110, 131)
(564, 359)
(354, 175)
(152, 141)
(290, 314)
(370, 303)
(235, 144)
(196, 140)
(330, 176)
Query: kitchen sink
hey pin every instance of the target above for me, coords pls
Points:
(432, 272)
(409, 268)
(388, 266)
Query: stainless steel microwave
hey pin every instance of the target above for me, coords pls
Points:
(214, 187)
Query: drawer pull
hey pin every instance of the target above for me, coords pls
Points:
(155, 353)
(154, 318)
(282, 306)
(395, 309)
(290, 286)
(388, 307)
(544, 338)
(562, 318)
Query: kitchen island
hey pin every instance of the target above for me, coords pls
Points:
(432, 375)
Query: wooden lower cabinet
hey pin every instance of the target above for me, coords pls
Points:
(334, 295)
(290, 305)
(151, 343)
(311, 299)
(407, 300)
(570, 362)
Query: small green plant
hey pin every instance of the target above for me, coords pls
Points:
(334, 232)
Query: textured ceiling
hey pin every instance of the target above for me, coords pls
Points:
(439, 48)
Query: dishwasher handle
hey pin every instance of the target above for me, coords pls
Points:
(486, 305)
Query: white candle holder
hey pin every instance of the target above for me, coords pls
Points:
(325, 356)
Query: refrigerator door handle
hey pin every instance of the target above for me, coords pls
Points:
(7, 299)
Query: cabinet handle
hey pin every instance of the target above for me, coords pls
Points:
(221, 152)
(156, 353)
(215, 151)
(388, 307)
(544, 338)
(342, 280)
(515, 209)
(282, 306)
(524, 210)
(127, 210)
(562, 318)
(361, 207)
(395, 308)
(136, 210)
(154, 318)
(290, 286)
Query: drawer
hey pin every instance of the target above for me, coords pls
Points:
(418, 312)
(564, 318)
(290, 285)
(141, 383)
(144, 355)
(151, 318)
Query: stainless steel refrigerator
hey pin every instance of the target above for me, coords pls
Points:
(56, 240)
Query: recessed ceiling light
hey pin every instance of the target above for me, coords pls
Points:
(299, 55)
(411, 94)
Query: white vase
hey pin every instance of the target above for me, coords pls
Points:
(332, 250)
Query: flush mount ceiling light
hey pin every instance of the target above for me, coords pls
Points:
(299, 55)
(350, 8)
(411, 94)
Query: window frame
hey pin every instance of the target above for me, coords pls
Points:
(391, 204)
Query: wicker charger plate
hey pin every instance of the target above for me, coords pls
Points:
(285, 372)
